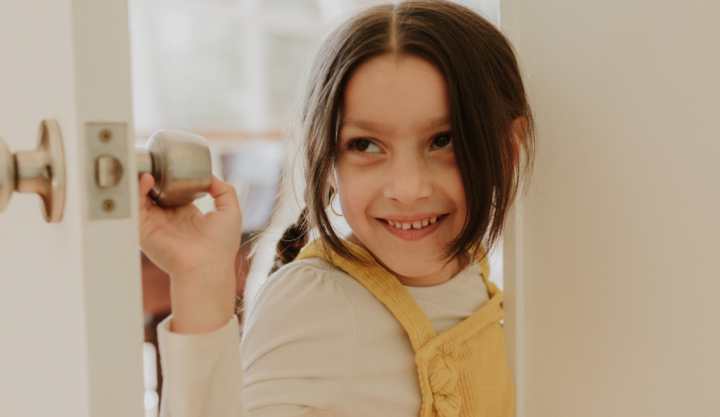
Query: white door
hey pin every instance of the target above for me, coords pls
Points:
(614, 257)
(70, 293)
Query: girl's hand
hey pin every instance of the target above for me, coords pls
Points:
(198, 251)
(181, 239)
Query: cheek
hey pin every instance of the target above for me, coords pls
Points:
(353, 205)
(355, 195)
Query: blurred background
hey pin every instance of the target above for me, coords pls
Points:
(230, 71)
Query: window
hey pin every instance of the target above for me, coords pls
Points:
(222, 68)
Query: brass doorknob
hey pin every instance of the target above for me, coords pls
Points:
(181, 165)
(40, 171)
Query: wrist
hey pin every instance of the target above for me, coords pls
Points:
(203, 299)
(209, 273)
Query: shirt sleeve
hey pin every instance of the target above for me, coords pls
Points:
(298, 343)
(202, 372)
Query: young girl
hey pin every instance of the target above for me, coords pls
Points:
(413, 126)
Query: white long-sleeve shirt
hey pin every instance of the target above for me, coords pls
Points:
(316, 342)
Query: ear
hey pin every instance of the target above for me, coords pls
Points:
(331, 179)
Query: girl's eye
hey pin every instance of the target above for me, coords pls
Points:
(443, 141)
(364, 145)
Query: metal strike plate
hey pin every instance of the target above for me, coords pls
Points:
(107, 169)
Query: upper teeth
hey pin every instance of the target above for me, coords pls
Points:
(412, 225)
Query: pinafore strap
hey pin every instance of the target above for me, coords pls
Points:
(439, 358)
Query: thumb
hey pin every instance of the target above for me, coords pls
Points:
(225, 196)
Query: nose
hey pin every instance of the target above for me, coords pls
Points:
(408, 179)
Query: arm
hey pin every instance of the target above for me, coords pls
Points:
(199, 343)
(198, 252)
(203, 373)
(296, 352)
(298, 343)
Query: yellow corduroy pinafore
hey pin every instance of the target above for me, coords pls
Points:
(462, 371)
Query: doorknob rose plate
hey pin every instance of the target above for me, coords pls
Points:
(40, 171)
(53, 179)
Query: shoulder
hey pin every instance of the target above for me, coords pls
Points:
(300, 291)
(305, 267)
(300, 335)
(301, 282)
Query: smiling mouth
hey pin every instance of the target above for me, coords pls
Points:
(417, 224)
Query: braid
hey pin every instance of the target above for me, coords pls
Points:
(289, 245)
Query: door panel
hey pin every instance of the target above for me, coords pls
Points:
(70, 300)
(618, 240)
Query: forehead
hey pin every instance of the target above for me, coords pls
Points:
(396, 93)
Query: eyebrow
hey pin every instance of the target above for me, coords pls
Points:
(438, 122)
(365, 125)
(379, 128)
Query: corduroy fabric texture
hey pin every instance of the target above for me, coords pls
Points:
(463, 371)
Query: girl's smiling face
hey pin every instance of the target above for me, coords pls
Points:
(398, 184)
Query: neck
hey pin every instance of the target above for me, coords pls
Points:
(444, 274)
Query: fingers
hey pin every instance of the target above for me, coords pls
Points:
(224, 195)
(144, 186)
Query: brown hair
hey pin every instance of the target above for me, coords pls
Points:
(486, 95)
